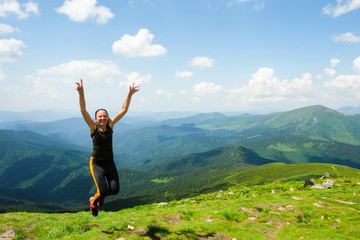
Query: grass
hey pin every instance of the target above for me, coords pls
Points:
(270, 211)
(162, 180)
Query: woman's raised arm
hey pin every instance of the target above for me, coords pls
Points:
(132, 89)
(91, 123)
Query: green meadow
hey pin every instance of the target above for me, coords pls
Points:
(277, 210)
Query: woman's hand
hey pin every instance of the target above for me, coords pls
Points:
(133, 89)
(80, 87)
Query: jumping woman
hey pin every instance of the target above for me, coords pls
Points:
(102, 166)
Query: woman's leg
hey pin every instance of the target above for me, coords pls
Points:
(98, 172)
(113, 179)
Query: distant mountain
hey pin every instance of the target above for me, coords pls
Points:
(303, 149)
(202, 133)
(349, 110)
(136, 142)
(37, 115)
(42, 172)
(224, 156)
(34, 139)
(287, 149)
(43, 162)
(38, 169)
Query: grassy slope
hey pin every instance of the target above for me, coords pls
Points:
(285, 172)
(303, 149)
(241, 213)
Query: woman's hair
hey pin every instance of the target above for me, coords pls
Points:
(101, 109)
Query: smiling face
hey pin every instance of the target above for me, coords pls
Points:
(102, 117)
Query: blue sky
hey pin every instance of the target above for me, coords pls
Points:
(203, 55)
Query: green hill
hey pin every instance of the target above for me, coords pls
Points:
(272, 211)
(195, 134)
(287, 172)
(224, 156)
(303, 149)
(287, 149)
(171, 159)
(136, 143)
(39, 173)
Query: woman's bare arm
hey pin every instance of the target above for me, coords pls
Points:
(132, 89)
(91, 123)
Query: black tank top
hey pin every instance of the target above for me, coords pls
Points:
(102, 144)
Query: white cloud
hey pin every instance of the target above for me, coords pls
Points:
(330, 72)
(342, 7)
(139, 45)
(31, 7)
(265, 87)
(346, 37)
(343, 89)
(136, 78)
(82, 10)
(204, 62)
(162, 93)
(58, 82)
(184, 74)
(22, 11)
(356, 64)
(90, 69)
(5, 29)
(205, 88)
(10, 50)
(334, 62)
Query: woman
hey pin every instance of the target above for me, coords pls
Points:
(102, 164)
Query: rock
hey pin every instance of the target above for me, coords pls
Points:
(327, 184)
(309, 183)
(162, 204)
(281, 208)
(8, 235)
(273, 191)
(326, 175)
(317, 205)
(131, 228)
(291, 189)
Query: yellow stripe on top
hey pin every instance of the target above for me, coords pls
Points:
(92, 173)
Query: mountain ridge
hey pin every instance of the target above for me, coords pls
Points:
(178, 157)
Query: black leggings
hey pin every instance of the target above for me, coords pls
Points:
(103, 171)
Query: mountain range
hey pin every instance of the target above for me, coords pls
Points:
(45, 164)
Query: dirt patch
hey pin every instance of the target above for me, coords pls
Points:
(173, 219)
(249, 210)
(140, 231)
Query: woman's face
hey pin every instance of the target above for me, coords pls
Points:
(102, 118)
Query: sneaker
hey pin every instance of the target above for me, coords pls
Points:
(93, 209)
